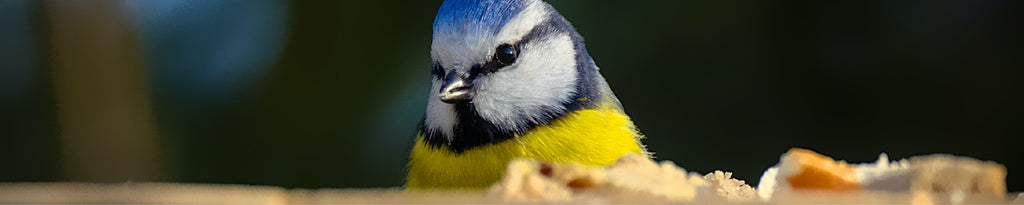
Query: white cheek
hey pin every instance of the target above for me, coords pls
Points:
(543, 78)
(440, 116)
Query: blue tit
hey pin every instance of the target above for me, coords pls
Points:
(512, 79)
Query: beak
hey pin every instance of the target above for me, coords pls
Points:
(456, 90)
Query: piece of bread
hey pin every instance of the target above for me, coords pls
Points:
(926, 179)
(801, 176)
(633, 178)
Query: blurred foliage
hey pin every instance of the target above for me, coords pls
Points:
(713, 85)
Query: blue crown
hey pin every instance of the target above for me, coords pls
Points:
(476, 16)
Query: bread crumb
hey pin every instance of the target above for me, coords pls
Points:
(729, 189)
(530, 181)
(632, 177)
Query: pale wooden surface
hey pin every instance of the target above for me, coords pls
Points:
(175, 193)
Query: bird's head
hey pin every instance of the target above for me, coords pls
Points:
(501, 66)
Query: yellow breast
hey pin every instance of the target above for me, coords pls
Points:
(588, 137)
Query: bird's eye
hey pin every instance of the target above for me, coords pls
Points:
(506, 54)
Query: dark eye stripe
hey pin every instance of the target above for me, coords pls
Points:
(547, 28)
(554, 25)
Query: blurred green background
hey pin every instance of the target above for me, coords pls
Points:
(316, 94)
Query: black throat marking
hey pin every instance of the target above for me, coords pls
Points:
(471, 130)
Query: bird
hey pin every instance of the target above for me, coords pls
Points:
(512, 79)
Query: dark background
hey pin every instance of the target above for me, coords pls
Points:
(328, 93)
